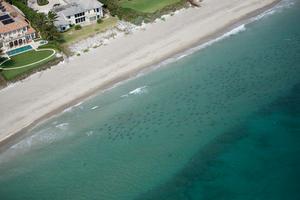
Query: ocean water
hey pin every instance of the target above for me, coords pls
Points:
(222, 122)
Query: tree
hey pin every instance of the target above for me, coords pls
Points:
(2, 58)
(51, 31)
(41, 22)
(1, 52)
(51, 18)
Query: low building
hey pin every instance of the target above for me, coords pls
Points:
(15, 30)
(73, 12)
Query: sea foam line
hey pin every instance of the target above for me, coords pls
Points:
(136, 91)
(190, 51)
(69, 109)
(278, 8)
(232, 32)
(241, 28)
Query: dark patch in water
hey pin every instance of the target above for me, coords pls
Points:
(200, 169)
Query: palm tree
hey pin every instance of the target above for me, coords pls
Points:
(40, 22)
(1, 55)
(52, 31)
(51, 17)
(1, 52)
(45, 24)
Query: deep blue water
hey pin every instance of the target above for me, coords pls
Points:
(257, 160)
(221, 123)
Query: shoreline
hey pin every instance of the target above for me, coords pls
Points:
(13, 135)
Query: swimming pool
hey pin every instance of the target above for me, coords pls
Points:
(19, 50)
(43, 42)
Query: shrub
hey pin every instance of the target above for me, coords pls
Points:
(42, 2)
(77, 27)
(99, 21)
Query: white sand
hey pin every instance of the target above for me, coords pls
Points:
(47, 92)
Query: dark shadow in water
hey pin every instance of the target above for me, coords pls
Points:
(198, 168)
(195, 170)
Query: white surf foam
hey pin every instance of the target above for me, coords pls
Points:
(278, 8)
(237, 30)
(72, 107)
(177, 57)
(137, 91)
(95, 107)
(89, 133)
(41, 138)
(62, 126)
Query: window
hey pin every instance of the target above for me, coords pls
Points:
(79, 15)
(79, 20)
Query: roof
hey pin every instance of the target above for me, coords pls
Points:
(61, 21)
(19, 21)
(86, 4)
(77, 6)
(13, 26)
(30, 31)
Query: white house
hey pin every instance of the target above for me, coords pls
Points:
(83, 12)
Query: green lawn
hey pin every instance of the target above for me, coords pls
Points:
(72, 35)
(42, 2)
(25, 59)
(147, 6)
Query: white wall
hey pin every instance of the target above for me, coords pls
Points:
(88, 15)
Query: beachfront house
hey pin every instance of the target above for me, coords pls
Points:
(73, 12)
(15, 30)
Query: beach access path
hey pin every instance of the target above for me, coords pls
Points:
(43, 94)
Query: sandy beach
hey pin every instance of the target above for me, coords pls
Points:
(44, 94)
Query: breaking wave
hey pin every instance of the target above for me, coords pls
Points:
(137, 91)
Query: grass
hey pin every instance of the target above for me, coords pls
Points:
(139, 11)
(42, 2)
(52, 45)
(147, 6)
(72, 35)
(25, 59)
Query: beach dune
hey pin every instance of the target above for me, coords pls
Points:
(24, 104)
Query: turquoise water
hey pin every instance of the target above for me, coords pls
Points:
(221, 123)
(19, 50)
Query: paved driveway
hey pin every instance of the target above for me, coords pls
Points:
(46, 8)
